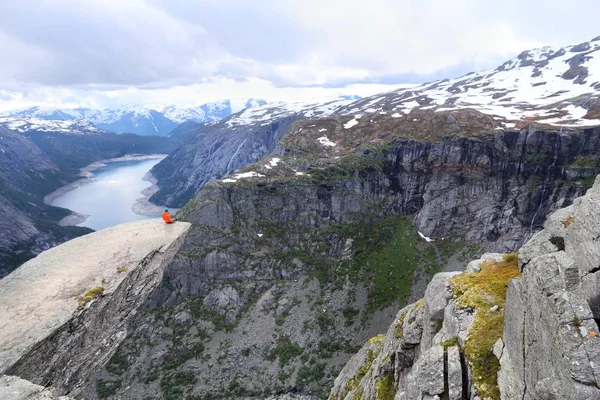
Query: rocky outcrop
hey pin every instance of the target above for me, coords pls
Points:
(551, 347)
(498, 331)
(71, 306)
(420, 356)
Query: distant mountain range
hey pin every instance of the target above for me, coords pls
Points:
(139, 119)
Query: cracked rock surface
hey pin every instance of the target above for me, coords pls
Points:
(87, 288)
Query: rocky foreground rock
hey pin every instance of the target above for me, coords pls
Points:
(465, 341)
(71, 304)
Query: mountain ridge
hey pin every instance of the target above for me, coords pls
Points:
(137, 118)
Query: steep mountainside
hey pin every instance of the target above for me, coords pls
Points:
(517, 326)
(179, 132)
(548, 87)
(142, 120)
(214, 150)
(321, 242)
(37, 162)
(76, 151)
(27, 225)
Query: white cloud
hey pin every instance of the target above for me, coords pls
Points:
(122, 51)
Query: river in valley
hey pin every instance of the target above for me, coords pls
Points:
(108, 195)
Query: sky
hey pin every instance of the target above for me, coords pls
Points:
(110, 53)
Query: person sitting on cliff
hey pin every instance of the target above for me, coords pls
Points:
(167, 217)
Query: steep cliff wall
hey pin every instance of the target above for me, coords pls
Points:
(211, 152)
(500, 330)
(320, 251)
(70, 307)
(551, 345)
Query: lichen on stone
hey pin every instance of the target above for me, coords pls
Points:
(481, 291)
(384, 388)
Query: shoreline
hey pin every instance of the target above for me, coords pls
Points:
(87, 176)
(142, 206)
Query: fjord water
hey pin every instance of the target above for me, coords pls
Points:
(109, 197)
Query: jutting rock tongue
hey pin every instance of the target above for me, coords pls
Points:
(70, 307)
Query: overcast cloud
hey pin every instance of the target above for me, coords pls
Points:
(113, 52)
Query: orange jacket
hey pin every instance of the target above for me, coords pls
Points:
(167, 217)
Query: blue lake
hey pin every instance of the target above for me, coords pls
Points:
(109, 197)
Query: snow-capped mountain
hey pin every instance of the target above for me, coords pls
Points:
(29, 124)
(141, 119)
(555, 86)
(265, 114)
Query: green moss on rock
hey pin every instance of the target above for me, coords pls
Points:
(482, 291)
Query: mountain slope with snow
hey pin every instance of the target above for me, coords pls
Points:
(141, 119)
(554, 86)
(30, 124)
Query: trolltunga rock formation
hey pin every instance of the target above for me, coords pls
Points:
(68, 309)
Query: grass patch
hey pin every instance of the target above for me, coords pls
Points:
(481, 291)
(90, 295)
(377, 339)
(285, 350)
(385, 389)
(389, 262)
(350, 314)
(107, 387)
(173, 386)
(589, 161)
(120, 270)
(399, 328)
(309, 374)
(567, 221)
(453, 341)
(118, 363)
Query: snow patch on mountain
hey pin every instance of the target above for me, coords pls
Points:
(557, 86)
(143, 119)
(25, 125)
(267, 113)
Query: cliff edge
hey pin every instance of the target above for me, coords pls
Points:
(87, 288)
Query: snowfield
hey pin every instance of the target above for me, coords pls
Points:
(551, 85)
(23, 125)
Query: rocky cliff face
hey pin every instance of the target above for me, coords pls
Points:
(71, 306)
(210, 152)
(500, 329)
(320, 251)
(551, 347)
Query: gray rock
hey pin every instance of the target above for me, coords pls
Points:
(430, 371)
(223, 299)
(79, 335)
(455, 374)
(437, 295)
(549, 351)
(14, 388)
